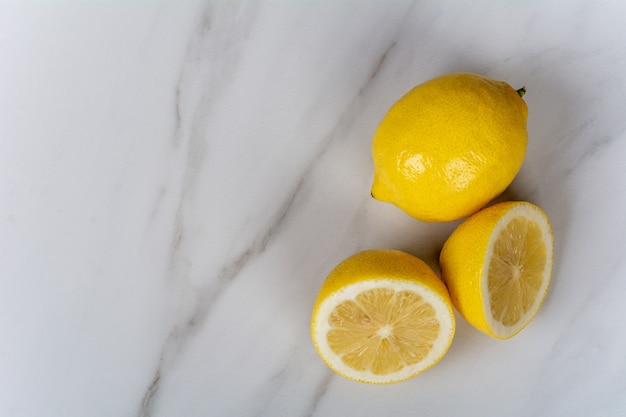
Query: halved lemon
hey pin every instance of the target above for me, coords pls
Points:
(497, 266)
(382, 316)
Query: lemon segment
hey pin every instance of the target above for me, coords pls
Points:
(497, 266)
(382, 316)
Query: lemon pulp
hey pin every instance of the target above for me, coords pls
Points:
(382, 330)
(516, 271)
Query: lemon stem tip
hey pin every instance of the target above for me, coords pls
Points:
(522, 91)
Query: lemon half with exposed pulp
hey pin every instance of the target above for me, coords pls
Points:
(382, 316)
(449, 146)
(497, 266)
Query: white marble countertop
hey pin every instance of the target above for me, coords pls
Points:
(177, 179)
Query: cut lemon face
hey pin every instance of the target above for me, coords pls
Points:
(382, 316)
(497, 266)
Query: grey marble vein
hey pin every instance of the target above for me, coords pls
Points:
(208, 294)
(278, 385)
(319, 394)
(199, 72)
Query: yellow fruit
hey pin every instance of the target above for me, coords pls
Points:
(497, 266)
(382, 316)
(449, 146)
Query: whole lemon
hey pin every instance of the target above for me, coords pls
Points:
(449, 146)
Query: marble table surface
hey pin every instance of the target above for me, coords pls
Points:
(177, 178)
